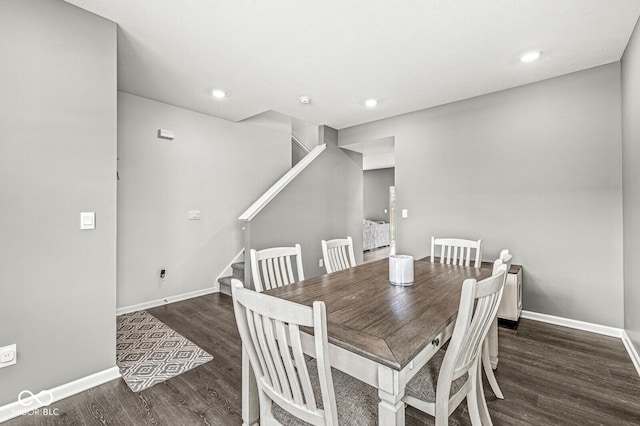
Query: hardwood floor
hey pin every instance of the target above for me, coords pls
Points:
(550, 375)
(375, 254)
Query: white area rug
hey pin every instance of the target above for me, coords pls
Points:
(149, 352)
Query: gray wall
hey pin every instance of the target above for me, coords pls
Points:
(535, 169)
(323, 202)
(306, 133)
(297, 153)
(376, 193)
(57, 159)
(631, 185)
(213, 165)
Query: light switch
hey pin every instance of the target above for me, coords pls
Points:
(194, 214)
(166, 134)
(87, 220)
(405, 213)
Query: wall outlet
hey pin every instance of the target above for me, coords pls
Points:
(8, 355)
(162, 277)
(321, 263)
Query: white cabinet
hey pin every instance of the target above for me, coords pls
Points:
(511, 304)
(374, 235)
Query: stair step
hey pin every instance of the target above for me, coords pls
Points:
(225, 285)
(238, 270)
(238, 273)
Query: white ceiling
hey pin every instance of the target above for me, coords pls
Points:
(410, 54)
(376, 153)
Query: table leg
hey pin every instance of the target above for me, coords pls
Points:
(391, 392)
(492, 339)
(250, 403)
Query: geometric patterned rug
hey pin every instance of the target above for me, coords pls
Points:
(149, 352)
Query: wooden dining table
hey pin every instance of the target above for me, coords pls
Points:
(379, 333)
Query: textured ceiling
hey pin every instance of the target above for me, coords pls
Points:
(410, 54)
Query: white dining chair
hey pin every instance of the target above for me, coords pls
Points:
(458, 368)
(338, 254)
(504, 259)
(271, 268)
(291, 384)
(457, 251)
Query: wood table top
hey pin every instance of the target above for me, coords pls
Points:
(386, 323)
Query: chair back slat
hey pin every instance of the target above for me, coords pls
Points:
(343, 257)
(270, 331)
(279, 268)
(253, 334)
(339, 258)
(457, 251)
(272, 268)
(304, 379)
(289, 364)
(277, 354)
(270, 273)
(286, 261)
(260, 343)
(333, 260)
(338, 254)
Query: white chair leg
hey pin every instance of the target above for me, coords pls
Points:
(486, 363)
(250, 398)
(485, 417)
(265, 409)
(472, 397)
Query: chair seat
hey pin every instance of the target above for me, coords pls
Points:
(423, 385)
(357, 402)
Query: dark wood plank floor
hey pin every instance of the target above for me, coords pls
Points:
(550, 375)
(375, 254)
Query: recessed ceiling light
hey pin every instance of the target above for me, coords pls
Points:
(305, 100)
(219, 93)
(371, 103)
(530, 56)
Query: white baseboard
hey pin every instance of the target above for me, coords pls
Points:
(571, 323)
(172, 299)
(46, 397)
(631, 349)
(167, 300)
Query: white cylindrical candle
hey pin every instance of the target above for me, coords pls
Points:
(401, 269)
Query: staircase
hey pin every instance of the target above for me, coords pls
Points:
(225, 282)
